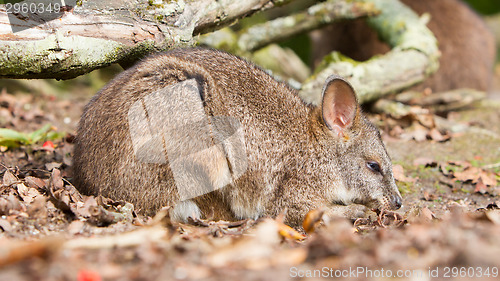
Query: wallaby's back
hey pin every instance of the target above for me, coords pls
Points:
(230, 87)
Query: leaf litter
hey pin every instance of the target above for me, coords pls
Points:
(46, 225)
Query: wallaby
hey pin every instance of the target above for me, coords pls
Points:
(467, 45)
(215, 136)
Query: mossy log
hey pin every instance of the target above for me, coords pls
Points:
(95, 34)
(414, 56)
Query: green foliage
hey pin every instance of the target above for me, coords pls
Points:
(485, 7)
(10, 138)
(301, 45)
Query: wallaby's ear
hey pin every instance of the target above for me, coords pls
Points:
(339, 104)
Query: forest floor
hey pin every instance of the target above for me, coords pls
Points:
(448, 226)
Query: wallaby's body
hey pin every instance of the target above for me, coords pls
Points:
(299, 157)
(467, 46)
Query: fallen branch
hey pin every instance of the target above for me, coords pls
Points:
(443, 101)
(128, 239)
(315, 17)
(413, 57)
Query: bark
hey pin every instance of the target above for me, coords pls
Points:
(96, 33)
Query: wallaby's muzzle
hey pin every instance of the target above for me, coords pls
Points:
(390, 202)
(396, 201)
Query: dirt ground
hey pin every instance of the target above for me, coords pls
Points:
(447, 229)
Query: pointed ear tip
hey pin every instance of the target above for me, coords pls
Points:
(334, 78)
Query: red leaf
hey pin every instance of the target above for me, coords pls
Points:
(48, 145)
(86, 275)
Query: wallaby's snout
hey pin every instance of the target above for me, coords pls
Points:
(389, 202)
(396, 201)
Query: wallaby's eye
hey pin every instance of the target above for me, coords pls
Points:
(374, 166)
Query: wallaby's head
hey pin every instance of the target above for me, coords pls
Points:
(364, 165)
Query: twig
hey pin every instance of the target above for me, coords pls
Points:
(316, 16)
(492, 166)
(128, 239)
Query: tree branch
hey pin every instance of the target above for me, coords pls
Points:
(99, 33)
(315, 17)
(413, 57)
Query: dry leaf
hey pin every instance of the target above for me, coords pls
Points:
(426, 214)
(313, 220)
(488, 178)
(9, 178)
(5, 225)
(468, 174)
(493, 216)
(288, 232)
(427, 120)
(399, 174)
(429, 196)
(481, 187)
(56, 180)
(35, 182)
(424, 161)
(436, 135)
(387, 218)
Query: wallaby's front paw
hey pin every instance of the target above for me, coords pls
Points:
(352, 212)
(356, 211)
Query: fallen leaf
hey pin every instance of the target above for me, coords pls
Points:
(312, 220)
(28, 194)
(35, 182)
(426, 214)
(493, 216)
(5, 225)
(480, 187)
(427, 120)
(468, 174)
(287, 232)
(429, 196)
(52, 165)
(87, 275)
(399, 174)
(436, 135)
(488, 178)
(48, 145)
(424, 161)
(9, 178)
(388, 218)
(56, 180)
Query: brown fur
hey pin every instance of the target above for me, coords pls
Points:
(467, 46)
(295, 159)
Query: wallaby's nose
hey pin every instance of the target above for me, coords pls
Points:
(397, 201)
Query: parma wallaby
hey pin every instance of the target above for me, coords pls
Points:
(215, 136)
(467, 46)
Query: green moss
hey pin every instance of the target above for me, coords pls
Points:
(440, 188)
(334, 57)
(405, 188)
